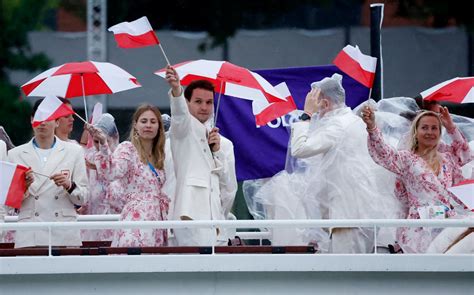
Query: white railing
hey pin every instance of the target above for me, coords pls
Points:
(91, 222)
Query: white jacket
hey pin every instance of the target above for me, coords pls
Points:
(3, 151)
(205, 182)
(44, 201)
(3, 157)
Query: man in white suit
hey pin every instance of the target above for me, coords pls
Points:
(3, 157)
(203, 162)
(51, 198)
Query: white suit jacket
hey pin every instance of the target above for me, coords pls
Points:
(3, 157)
(205, 182)
(3, 151)
(44, 201)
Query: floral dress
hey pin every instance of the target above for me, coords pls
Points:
(140, 194)
(419, 187)
(98, 202)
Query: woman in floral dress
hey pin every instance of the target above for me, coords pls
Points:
(138, 165)
(425, 172)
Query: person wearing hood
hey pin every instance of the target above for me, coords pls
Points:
(344, 184)
(203, 162)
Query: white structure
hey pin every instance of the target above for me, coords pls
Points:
(239, 273)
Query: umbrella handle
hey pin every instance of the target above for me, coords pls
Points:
(218, 104)
(84, 98)
(80, 118)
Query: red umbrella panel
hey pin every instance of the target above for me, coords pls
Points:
(457, 90)
(235, 81)
(80, 79)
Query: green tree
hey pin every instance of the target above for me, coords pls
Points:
(17, 18)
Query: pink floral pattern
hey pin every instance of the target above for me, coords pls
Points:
(98, 202)
(138, 191)
(419, 186)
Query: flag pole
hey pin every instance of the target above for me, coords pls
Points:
(164, 54)
(370, 94)
(40, 174)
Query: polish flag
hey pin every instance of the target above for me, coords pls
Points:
(12, 184)
(138, 33)
(274, 110)
(51, 108)
(465, 192)
(357, 65)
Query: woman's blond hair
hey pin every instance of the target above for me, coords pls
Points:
(158, 150)
(433, 157)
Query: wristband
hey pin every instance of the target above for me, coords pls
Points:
(305, 117)
(72, 187)
(371, 129)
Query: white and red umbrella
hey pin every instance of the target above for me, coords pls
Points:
(80, 79)
(232, 80)
(457, 90)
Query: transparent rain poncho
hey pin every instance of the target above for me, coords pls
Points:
(292, 191)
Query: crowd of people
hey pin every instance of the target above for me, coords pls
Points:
(181, 168)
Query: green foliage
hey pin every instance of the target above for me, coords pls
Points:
(14, 113)
(17, 18)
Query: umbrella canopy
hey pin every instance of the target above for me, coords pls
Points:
(457, 90)
(80, 79)
(236, 81)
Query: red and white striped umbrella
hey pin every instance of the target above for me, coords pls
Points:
(80, 79)
(232, 80)
(457, 90)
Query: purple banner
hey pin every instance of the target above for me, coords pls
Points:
(261, 152)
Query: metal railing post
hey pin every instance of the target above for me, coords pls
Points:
(49, 241)
(375, 239)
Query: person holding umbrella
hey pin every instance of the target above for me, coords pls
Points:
(60, 182)
(203, 162)
(138, 167)
(425, 171)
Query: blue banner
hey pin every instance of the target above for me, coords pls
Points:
(261, 152)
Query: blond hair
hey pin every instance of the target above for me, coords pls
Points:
(433, 157)
(158, 149)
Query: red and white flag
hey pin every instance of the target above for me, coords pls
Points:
(138, 33)
(464, 191)
(357, 65)
(270, 111)
(12, 184)
(51, 108)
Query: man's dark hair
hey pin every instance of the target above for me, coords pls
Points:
(202, 84)
(35, 106)
(64, 100)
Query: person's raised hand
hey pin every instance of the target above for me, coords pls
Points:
(368, 116)
(446, 119)
(311, 101)
(172, 78)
